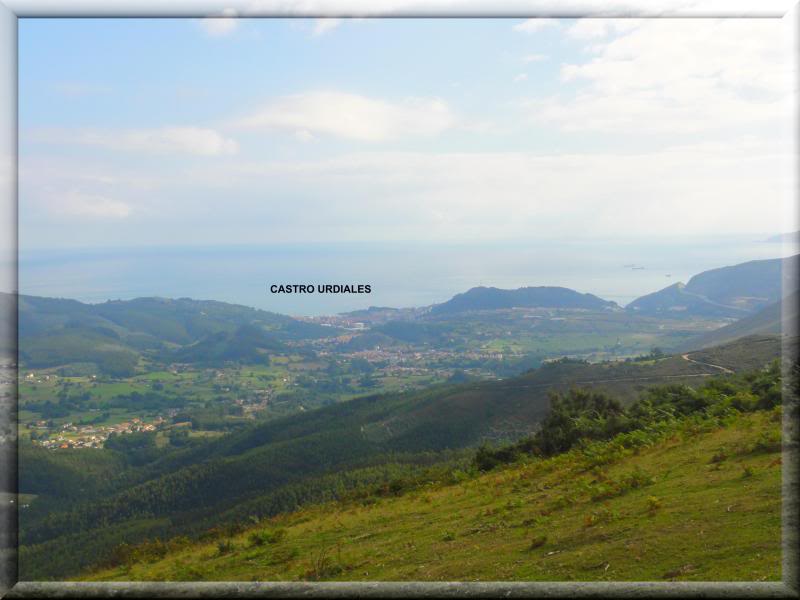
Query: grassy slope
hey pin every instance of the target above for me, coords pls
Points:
(452, 417)
(779, 317)
(260, 462)
(747, 353)
(734, 291)
(707, 520)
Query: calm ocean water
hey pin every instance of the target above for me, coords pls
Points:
(400, 274)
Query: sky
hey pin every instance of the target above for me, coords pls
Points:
(8, 149)
(162, 132)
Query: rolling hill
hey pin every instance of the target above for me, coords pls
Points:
(113, 334)
(283, 464)
(774, 319)
(735, 291)
(8, 327)
(678, 301)
(685, 484)
(247, 344)
(489, 298)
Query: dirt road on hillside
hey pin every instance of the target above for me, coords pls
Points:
(705, 364)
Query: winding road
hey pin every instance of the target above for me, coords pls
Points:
(705, 364)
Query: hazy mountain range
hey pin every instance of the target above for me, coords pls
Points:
(113, 333)
(735, 292)
(483, 298)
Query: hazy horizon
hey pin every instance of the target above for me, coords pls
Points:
(401, 275)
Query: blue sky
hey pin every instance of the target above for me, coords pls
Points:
(153, 73)
(185, 131)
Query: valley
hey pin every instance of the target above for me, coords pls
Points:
(152, 431)
(175, 385)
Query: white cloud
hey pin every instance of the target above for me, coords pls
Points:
(79, 204)
(352, 116)
(593, 28)
(192, 140)
(663, 76)
(166, 140)
(520, 78)
(68, 187)
(675, 76)
(74, 89)
(323, 26)
(566, 8)
(532, 58)
(534, 25)
(739, 187)
(220, 26)
(304, 135)
(589, 29)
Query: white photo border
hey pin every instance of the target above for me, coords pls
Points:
(12, 10)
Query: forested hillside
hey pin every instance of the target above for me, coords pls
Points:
(144, 491)
(113, 335)
(483, 298)
(682, 485)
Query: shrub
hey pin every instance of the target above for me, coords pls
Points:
(224, 547)
(256, 538)
(602, 515)
(323, 566)
(768, 441)
(606, 432)
(720, 455)
(487, 458)
(538, 542)
(744, 401)
(605, 491)
(149, 551)
(274, 536)
(557, 504)
(633, 480)
(599, 455)
(637, 479)
(282, 555)
(459, 475)
(120, 555)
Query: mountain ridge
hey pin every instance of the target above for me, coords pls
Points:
(733, 291)
(492, 298)
(778, 318)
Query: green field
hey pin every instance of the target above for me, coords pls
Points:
(289, 384)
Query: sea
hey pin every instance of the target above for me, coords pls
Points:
(400, 274)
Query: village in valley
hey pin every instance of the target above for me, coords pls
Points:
(79, 405)
(70, 435)
(61, 410)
